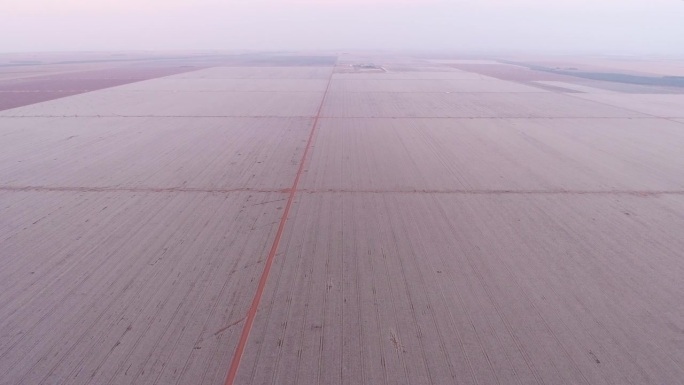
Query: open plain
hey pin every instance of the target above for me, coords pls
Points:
(313, 219)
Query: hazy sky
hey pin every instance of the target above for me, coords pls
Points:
(607, 26)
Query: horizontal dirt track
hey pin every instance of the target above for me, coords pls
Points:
(318, 225)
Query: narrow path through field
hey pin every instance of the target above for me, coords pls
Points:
(252, 312)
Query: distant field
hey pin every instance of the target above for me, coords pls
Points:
(24, 82)
(34, 89)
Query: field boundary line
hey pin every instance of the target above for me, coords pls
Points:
(252, 312)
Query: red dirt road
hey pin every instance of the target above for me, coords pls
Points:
(252, 312)
(297, 225)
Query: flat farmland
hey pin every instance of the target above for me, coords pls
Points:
(574, 88)
(160, 103)
(443, 73)
(14, 99)
(21, 87)
(38, 70)
(156, 153)
(467, 105)
(466, 289)
(127, 287)
(305, 223)
(662, 105)
(648, 65)
(545, 155)
(228, 85)
(259, 73)
(509, 72)
(428, 85)
(58, 84)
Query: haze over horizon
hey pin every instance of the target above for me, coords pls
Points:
(619, 27)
